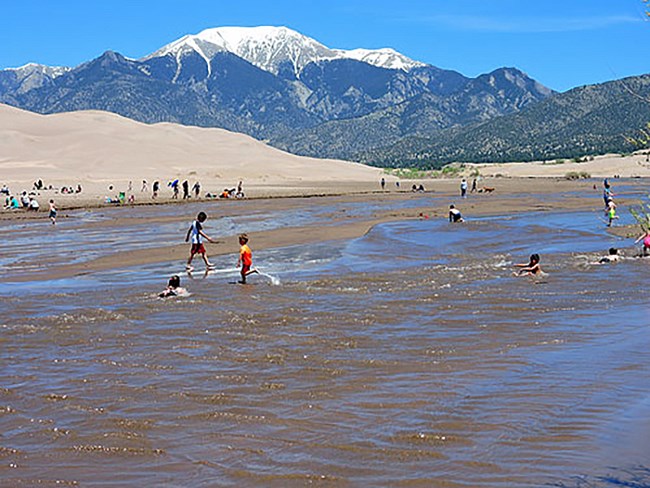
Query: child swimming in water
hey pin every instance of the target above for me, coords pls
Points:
(245, 258)
(612, 256)
(532, 268)
(173, 288)
(646, 242)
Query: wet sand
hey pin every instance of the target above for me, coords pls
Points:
(511, 196)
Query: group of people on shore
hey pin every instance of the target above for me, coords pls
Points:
(27, 202)
(176, 186)
(195, 236)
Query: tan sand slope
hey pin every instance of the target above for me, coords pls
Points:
(93, 145)
(629, 166)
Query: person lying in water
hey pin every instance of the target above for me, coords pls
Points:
(173, 289)
(612, 256)
(532, 268)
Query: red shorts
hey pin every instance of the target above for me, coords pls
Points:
(197, 249)
(245, 268)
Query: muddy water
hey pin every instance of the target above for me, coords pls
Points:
(408, 357)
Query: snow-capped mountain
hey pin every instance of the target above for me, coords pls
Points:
(271, 48)
(277, 85)
(30, 76)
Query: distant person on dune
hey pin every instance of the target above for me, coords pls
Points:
(531, 268)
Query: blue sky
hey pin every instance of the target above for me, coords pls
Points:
(561, 43)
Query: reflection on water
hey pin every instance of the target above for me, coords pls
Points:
(410, 356)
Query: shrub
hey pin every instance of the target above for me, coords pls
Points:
(576, 175)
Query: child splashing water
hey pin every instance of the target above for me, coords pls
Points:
(646, 243)
(532, 268)
(173, 288)
(245, 258)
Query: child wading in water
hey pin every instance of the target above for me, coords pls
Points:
(173, 288)
(455, 215)
(52, 212)
(195, 232)
(245, 258)
(611, 213)
(532, 268)
(646, 242)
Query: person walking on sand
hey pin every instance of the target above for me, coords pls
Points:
(245, 259)
(144, 186)
(197, 189)
(382, 182)
(52, 213)
(531, 268)
(473, 190)
(155, 189)
(186, 190)
(463, 188)
(196, 234)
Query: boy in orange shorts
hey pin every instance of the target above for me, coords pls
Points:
(245, 258)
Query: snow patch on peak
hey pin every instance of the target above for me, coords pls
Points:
(383, 58)
(270, 47)
(32, 68)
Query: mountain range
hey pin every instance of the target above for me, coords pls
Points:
(280, 86)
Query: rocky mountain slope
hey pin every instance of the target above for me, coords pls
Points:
(277, 85)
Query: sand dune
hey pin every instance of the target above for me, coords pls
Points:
(94, 145)
(103, 152)
(629, 166)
